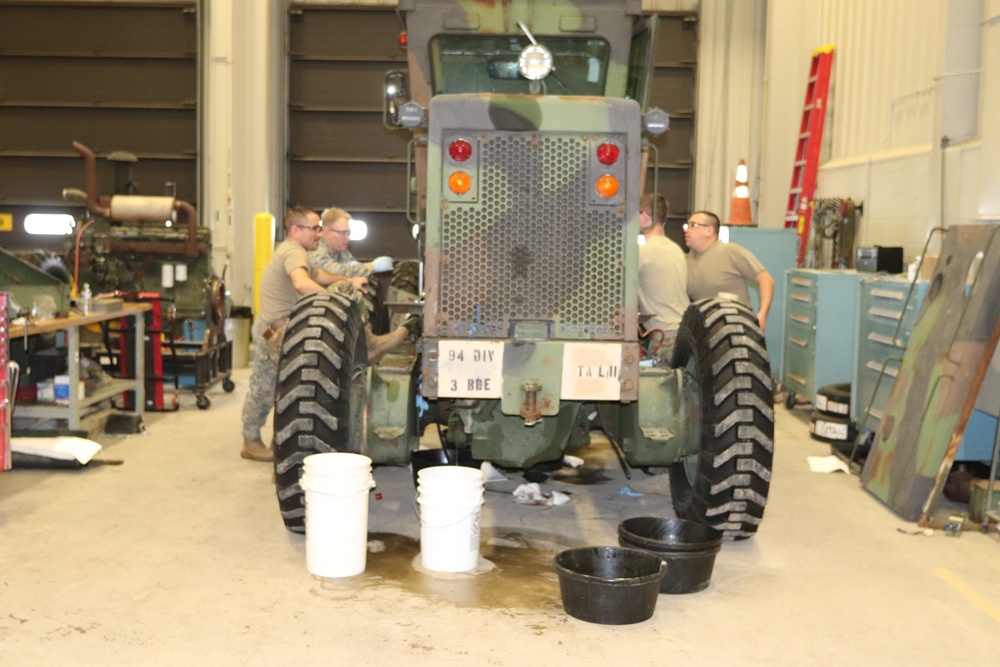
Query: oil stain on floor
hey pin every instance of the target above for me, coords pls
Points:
(515, 572)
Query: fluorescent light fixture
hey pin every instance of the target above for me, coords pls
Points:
(359, 229)
(49, 224)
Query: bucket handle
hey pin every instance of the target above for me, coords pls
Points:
(416, 510)
(365, 489)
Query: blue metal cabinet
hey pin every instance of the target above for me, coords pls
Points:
(776, 250)
(819, 329)
(887, 311)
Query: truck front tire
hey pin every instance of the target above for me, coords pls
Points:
(312, 401)
(726, 484)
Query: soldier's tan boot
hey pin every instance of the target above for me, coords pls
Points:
(256, 450)
(379, 346)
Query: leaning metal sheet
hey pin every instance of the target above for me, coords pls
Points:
(935, 390)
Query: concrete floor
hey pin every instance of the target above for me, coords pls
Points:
(179, 557)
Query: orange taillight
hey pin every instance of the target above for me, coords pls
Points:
(607, 186)
(459, 182)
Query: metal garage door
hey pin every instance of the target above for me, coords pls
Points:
(114, 76)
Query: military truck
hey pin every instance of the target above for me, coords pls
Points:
(527, 122)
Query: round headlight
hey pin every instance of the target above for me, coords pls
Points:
(535, 62)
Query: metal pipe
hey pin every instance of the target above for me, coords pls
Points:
(90, 180)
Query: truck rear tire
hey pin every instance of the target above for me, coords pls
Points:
(726, 484)
(312, 401)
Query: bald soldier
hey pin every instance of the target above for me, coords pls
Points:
(723, 270)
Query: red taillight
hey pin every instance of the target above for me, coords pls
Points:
(607, 153)
(460, 150)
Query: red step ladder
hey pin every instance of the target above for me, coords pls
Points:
(800, 196)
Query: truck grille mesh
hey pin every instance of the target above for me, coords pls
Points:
(532, 247)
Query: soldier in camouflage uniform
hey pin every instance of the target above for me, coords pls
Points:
(287, 277)
(332, 254)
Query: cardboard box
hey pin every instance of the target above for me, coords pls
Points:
(61, 390)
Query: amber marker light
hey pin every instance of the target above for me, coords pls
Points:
(607, 153)
(460, 183)
(460, 150)
(607, 186)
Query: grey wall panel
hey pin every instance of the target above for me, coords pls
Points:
(44, 28)
(346, 33)
(674, 88)
(354, 135)
(355, 86)
(98, 81)
(349, 185)
(28, 130)
(39, 181)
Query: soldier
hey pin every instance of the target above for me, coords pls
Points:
(332, 254)
(723, 270)
(287, 277)
(662, 276)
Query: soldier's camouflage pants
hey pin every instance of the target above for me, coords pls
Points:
(263, 381)
(264, 372)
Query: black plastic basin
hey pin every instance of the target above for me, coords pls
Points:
(609, 585)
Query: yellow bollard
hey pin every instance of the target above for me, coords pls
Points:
(263, 248)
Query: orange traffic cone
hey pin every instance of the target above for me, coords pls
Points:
(739, 213)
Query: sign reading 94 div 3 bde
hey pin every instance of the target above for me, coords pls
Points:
(468, 369)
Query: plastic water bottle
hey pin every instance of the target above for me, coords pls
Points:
(85, 298)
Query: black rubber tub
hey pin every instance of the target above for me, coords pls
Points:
(689, 549)
(609, 585)
(426, 458)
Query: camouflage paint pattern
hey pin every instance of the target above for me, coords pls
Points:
(578, 18)
(532, 242)
(942, 370)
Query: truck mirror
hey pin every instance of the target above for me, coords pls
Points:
(397, 91)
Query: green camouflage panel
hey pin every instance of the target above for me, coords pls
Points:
(943, 367)
(532, 239)
(532, 252)
(571, 21)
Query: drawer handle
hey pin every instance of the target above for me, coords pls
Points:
(887, 294)
(798, 378)
(802, 342)
(877, 367)
(878, 414)
(799, 318)
(802, 281)
(805, 298)
(879, 338)
(886, 313)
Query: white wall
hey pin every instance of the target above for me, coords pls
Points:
(907, 73)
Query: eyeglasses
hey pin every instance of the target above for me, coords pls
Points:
(342, 232)
(312, 228)
(695, 225)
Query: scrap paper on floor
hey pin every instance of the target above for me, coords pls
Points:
(64, 448)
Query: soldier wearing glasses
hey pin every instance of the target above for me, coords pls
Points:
(723, 270)
(332, 254)
(287, 277)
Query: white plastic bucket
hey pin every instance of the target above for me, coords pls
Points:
(336, 498)
(449, 520)
(333, 463)
(450, 475)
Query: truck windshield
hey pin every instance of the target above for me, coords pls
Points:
(488, 64)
